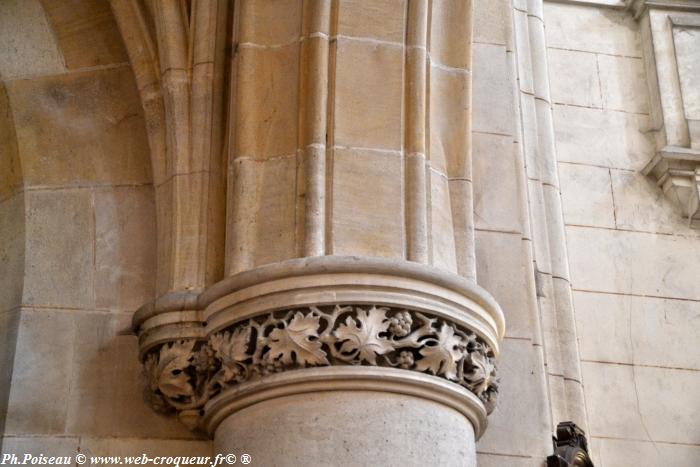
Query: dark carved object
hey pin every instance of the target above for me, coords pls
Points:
(570, 447)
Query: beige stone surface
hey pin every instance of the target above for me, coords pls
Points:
(275, 235)
(38, 402)
(601, 260)
(367, 203)
(629, 453)
(93, 386)
(276, 201)
(624, 402)
(267, 81)
(442, 238)
(371, 118)
(602, 137)
(449, 112)
(492, 95)
(491, 24)
(333, 428)
(29, 45)
(125, 247)
(638, 330)
(574, 78)
(80, 129)
(623, 83)
(640, 204)
(580, 27)
(59, 255)
(521, 397)
(105, 397)
(587, 196)
(270, 24)
(496, 205)
(79, 22)
(497, 252)
(381, 19)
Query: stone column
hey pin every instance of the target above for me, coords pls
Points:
(336, 318)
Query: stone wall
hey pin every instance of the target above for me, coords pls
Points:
(78, 233)
(633, 258)
(75, 195)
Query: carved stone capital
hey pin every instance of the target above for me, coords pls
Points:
(325, 323)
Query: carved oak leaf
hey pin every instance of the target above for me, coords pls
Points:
(442, 357)
(296, 339)
(168, 373)
(482, 373)
(231, 347)
(365, 339)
